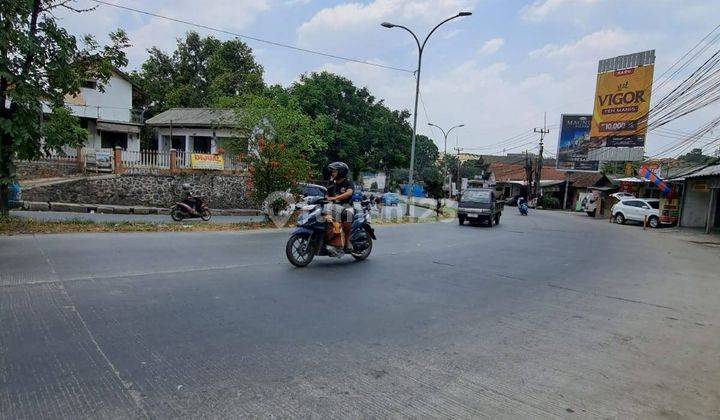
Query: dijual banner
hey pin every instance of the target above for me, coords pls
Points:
(622, 101)
(574, 144)
(204, 161)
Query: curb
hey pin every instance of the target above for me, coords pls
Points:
(114, 209)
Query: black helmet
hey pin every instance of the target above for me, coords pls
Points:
(341, 168)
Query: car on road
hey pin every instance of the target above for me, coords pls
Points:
(637, 210)
(390, 199)
(622, 195)
(479, 205)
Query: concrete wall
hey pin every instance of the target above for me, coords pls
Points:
(222, 191)
(695, 209)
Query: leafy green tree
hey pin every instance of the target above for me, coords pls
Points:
(63, 129)
(272, 119)
(280, 142)
(473, 168)
(358, 129)
(426, 153)
(198, 73)
(695, 157)
(41, 62)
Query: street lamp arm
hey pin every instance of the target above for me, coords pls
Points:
(457, 126)
(417, 41)
(441, 129)
(434, 29)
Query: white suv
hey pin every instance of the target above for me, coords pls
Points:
(636, 209)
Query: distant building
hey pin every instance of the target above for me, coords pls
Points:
(194, 130)
(107, 115)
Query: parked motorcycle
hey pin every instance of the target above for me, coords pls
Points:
(308, 239)
(182, 210)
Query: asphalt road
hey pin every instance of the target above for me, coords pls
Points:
(551, 315)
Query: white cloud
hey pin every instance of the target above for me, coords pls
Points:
(540, 9)
(146, 31)
(351, 22)
(586, 51)
(492, 46)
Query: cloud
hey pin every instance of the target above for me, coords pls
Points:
(492, 46)
(147, 31)
(541, 9)
(350, 23)
(586, 51)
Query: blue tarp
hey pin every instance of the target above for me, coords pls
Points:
(418, 190)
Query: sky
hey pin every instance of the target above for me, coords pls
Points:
(498, 71)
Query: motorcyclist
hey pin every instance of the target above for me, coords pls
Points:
(188, 198)
(340, 195)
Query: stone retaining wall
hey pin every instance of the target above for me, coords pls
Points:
(36, 169)
(222, 191)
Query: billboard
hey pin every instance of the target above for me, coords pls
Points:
(205, 161)
(574, 144)
(622, 101)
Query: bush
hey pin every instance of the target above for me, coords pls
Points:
(548, 202)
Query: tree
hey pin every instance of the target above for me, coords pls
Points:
(426, 153)
(473, 168)
(695, 157)
(359, 130)
(272, 119)
(41, 62)
(279, 142)
(433, 180)
(199, 73)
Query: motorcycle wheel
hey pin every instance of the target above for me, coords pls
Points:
(205, 215)
(176, 214)
(298, 250)
(365, 252)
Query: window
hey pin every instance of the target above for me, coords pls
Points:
(633, 203)
(654, 204)
(110, 140)
(89, 84)
(477, 196)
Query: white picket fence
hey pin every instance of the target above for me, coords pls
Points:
(145, 159)
(138, 161)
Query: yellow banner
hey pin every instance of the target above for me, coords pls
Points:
(203, 161)
(622, 102)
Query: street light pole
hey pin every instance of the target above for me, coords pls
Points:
(446, 134)
(421, 48)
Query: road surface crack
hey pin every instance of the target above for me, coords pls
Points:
(611, 297)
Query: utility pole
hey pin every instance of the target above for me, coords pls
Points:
(459, 180)
(528, 176)
(538, 170)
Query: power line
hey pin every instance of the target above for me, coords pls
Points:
(253, 38)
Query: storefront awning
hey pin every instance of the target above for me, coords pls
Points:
(118, 127)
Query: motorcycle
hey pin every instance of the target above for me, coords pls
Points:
(307, 240)
(182, 210)
(523, 207)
